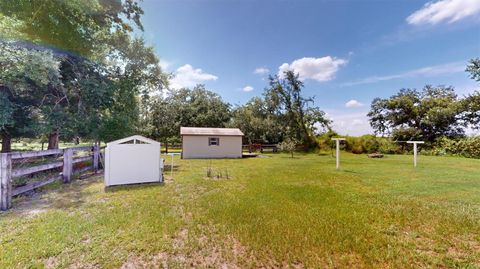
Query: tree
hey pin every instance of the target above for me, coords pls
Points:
(27, 76)
(136, 74)
(288, 145)
(424, 115)
(81, 27)
(102, 69)
(474, 69)
(471, 103)
(195, 107)
(257, 123)
(284, 98)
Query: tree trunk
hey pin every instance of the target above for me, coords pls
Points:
(6, 143)
(166, 147)
(53, 140)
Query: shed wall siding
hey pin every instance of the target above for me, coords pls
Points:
(196, 147)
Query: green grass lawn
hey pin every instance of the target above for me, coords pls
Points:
(271, 212)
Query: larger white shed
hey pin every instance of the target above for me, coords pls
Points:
(134, 159)
(209, 143)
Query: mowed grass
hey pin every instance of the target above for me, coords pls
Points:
(271, 212)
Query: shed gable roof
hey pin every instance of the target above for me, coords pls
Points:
(210, 131)
(133, 137)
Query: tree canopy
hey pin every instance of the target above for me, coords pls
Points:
(197, 107)
(258, 123)
(471, 104)
(82, 27)
(301, 120)
(421, 115)
(71, 68)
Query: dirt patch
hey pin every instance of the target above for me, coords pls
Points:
(51, 262)
(192, 251)
(38, 202)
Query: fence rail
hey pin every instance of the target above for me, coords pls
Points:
(7, 191)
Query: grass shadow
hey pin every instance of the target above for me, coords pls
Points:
(55, 196)
(350, 171)
(168, 167)
(290, 157)
(134, 186)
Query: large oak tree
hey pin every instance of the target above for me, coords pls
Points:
(418, 115)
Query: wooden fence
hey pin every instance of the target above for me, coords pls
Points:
(67, 163)
(260, 147)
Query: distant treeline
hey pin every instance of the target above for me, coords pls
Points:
(366, 144)
(281, 112)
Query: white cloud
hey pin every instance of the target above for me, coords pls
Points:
(164, 64)
(319, 69)
(429, 71)
(444, 11)
(261, 71)
(355, 124)
(247, 89)
(353, 104)
(187, 76)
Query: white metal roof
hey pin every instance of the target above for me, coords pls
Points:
(210, 131)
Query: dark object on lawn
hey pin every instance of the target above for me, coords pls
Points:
(375, 155)
(249, 155)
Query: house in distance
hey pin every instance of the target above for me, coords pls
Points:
(209, 143)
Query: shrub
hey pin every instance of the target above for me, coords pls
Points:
(288, 145)
(370, 143)
(325, 142)
(387, 146)
(364, 144)
(466, 147)
(360, 145)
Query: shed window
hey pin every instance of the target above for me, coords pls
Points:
(214, 141)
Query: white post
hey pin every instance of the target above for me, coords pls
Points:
(337, 152)
(415, 155)
(415, 150)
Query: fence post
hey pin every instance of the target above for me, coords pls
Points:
(96, 155)
(5, 181)
(67, 165)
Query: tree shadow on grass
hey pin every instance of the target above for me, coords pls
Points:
(135, 186)
(55, 196)
(168, 168)
(349, 171)
(290, 157)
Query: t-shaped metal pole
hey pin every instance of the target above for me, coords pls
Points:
(415, 150)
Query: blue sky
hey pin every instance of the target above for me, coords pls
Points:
(347, 52)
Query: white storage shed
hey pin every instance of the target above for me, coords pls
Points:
(209, 143)
(134, 159)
